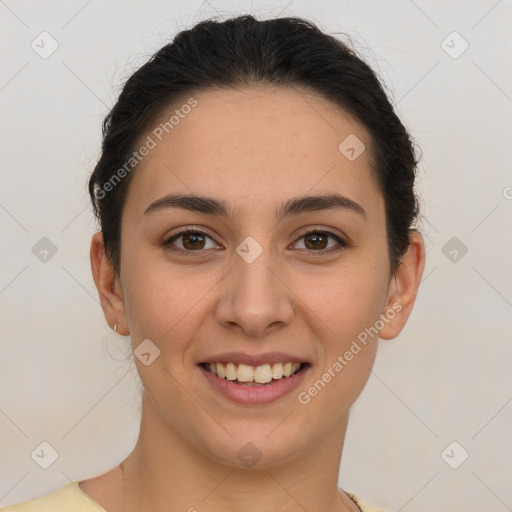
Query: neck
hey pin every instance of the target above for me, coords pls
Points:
(165, 471)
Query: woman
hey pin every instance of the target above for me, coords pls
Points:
(256, 204)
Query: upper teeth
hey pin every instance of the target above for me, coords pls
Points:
(260, 374)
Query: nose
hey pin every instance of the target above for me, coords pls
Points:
(254, 298)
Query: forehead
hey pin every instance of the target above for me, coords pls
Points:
(258, 144)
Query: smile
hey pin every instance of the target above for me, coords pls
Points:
(247, 384)
(246, 374)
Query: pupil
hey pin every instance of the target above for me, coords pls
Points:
(188, 237)
(316, 237)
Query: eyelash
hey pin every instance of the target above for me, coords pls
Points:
(197, 231)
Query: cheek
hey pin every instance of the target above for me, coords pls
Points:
(343, 310)
(160, 297)
(163, 301)
(168, 308)
(345, 301)
(339, 379)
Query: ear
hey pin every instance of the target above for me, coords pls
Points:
(403, 287)
(108, 285)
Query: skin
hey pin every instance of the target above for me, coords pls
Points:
(232, 146)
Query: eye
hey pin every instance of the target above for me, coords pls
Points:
(192, 240)
(195, 239)
(316, 240)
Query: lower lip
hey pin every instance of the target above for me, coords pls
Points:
(255, 394)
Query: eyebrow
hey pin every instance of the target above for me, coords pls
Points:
(293, 206)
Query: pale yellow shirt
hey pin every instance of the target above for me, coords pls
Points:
(70, 498)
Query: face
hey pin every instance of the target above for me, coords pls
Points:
(304, 281)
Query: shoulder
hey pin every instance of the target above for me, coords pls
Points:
(363, 504)
(68, 497)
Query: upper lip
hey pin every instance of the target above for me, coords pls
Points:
(254, 359)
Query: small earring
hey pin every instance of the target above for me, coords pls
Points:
(115, 327)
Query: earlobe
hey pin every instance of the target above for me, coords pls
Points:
(403, 287)
(108, 286)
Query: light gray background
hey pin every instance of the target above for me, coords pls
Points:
(63, 374)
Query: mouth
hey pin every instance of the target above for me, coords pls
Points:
(254, 376)
(254, 385)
